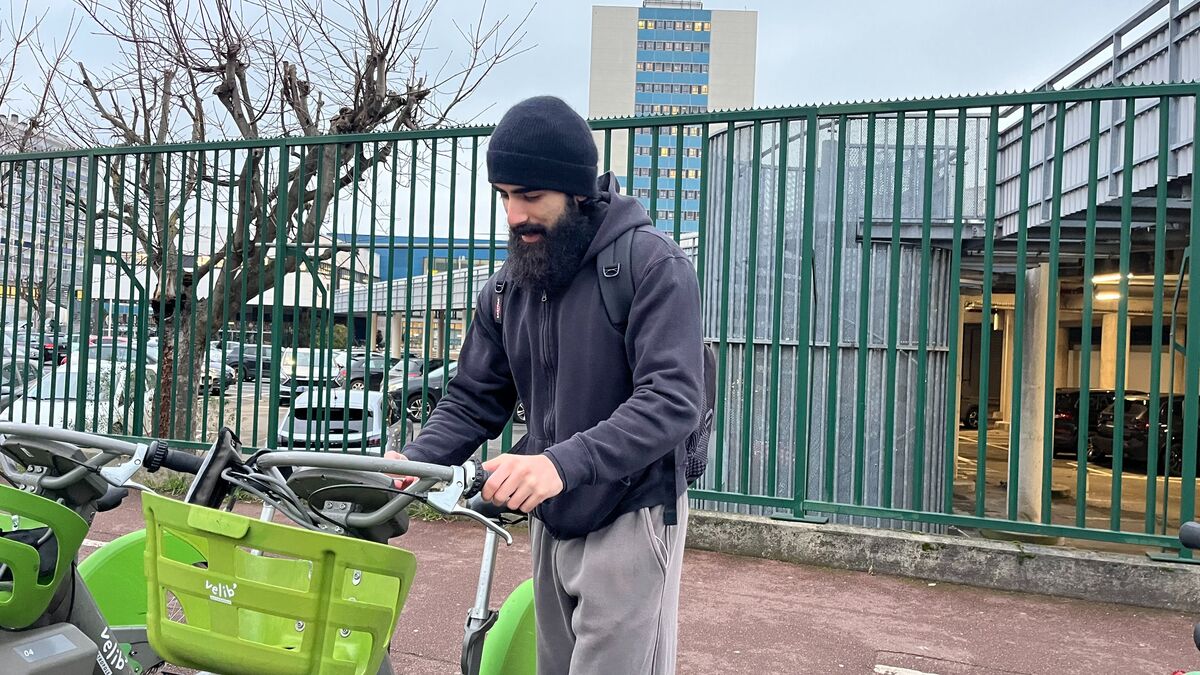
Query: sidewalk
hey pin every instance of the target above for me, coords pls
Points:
(743, 615)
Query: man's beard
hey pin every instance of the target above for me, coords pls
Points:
(550, 263)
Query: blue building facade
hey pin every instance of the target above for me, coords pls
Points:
(395, 254)
(673, 48)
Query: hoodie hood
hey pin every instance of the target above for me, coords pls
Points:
(616, 213)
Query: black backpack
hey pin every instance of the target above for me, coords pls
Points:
(614, 269)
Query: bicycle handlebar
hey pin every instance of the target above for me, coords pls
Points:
(462, 481)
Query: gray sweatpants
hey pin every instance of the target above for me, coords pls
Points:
(609, 602)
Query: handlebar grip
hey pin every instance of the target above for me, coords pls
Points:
(159, 456)
(1189, 535)
(178, 460)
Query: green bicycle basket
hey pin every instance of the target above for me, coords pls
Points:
(26, 595)
(268, 598)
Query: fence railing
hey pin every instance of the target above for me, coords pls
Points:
(879, 278)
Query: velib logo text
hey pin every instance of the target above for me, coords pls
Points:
(221, 592)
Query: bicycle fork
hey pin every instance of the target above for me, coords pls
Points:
(482, 617)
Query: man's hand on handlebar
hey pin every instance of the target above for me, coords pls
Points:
(521, 482)
(517, 482)
(401, 482)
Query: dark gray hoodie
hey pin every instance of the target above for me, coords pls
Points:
(611, 410)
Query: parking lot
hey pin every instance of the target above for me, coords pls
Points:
(1064, 488)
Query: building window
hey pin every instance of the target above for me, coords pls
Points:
(641, 24)
(678, 25)
(707, 25)
(664, 152)
(704, 89)
(697, 26)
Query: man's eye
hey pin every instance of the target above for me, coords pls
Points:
(532, 197)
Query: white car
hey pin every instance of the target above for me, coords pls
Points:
(108, 399)
(337, 419)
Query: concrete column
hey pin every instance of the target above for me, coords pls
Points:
(1033, 396)
(1062, 358)
(438, 326)
(1008, 326)
(372, 323)
(397, 346)
(1109, 349)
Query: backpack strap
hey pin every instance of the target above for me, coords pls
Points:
(499, 284)
(614, 267)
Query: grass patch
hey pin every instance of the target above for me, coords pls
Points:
(419, 510)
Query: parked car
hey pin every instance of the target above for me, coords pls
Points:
(307, 366)
(16, 374)
(108, 398)
(249, 361)
(343, 356)
(1066, 415)
(336, 419)
(409, 396)
(16, 341)
(112, 352)
(54, 346)
(357, 376)
(1135, 438)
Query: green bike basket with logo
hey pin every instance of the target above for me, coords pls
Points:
(26, 585)
(267, 598)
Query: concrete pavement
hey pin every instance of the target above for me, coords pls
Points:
(743, 615)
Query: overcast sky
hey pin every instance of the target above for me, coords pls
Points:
(809, 51)
(813, 51)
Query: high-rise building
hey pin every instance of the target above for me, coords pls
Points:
(668, 57)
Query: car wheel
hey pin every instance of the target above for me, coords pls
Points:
(413, 407)
(358, 385)
(971, 419)
(519, 414)
(1173, 462)
(1094, 456)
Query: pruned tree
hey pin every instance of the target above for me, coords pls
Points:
(203, 70)
(27, 104)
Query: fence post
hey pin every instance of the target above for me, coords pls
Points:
(804, 337)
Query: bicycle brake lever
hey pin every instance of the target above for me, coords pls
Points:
(121, 473)
(478, 517)
(446, 500)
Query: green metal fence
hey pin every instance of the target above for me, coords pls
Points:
(872, 274)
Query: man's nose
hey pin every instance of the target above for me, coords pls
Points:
(517, 215)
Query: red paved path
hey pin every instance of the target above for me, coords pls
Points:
(742, 615)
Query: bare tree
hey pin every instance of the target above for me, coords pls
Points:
(28, 104)
(196, 71)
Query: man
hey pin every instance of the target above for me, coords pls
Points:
(601, 465)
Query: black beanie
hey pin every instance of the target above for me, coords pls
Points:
(541, 143)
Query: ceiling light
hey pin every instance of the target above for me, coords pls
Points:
(1108, 295)
(1110, 278)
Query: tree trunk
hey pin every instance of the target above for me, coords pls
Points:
(178, 397)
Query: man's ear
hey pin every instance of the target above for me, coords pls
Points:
(579, 199)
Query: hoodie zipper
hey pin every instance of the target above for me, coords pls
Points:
(548, 368)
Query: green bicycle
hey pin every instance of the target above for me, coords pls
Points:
(205, 588)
